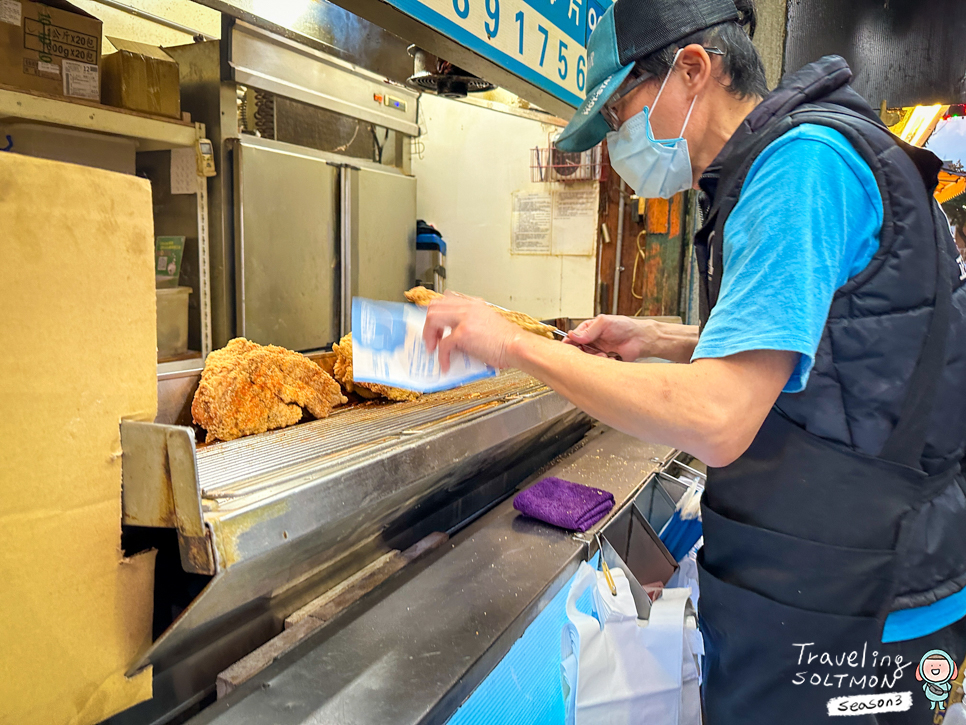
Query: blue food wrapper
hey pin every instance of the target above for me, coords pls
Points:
(388, 349)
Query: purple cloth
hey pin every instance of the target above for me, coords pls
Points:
(564, 504)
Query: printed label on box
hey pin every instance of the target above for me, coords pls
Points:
(10, 12)
(34, 67)
(80, 80)
(49, 69)
(168, 252)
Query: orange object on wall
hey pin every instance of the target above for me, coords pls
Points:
(676, 215)
(657, 216)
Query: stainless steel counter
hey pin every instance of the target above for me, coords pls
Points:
(274, 520)
(415, 648)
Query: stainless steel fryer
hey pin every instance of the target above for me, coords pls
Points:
(276, 519)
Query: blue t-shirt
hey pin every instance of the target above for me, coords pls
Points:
(808, 220)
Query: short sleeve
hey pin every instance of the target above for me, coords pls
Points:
(808, 219)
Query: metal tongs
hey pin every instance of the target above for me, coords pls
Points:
(592, 349)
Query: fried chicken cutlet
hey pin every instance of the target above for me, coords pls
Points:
(422, 297)
(343, 373)
(247, 388)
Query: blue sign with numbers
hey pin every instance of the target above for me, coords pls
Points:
(595, 9)
(542, 41)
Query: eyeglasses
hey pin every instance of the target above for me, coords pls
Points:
(609, 111)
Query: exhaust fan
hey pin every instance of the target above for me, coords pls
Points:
(441, 77)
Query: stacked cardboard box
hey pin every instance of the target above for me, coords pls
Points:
(51, 47)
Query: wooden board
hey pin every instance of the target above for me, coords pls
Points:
(100, 106)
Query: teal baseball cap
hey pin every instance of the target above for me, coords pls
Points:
(605, 73)
(628, 31)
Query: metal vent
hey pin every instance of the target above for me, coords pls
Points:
(441, 77)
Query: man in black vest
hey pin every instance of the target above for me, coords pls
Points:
(827, 388)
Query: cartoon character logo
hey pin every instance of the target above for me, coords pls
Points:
(936, 671)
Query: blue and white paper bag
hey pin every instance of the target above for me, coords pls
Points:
(388, 349)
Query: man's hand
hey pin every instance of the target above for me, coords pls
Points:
(457, 322)
(634, 338)
(613, 333)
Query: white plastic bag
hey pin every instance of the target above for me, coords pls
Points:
(619, 670)
(687, 576)
(955, 715)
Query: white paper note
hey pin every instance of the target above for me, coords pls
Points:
(531, 223)
(388, 349)
(184, 171)
(575, 220)
(51, 69)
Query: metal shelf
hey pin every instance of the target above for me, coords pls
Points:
(152, 132)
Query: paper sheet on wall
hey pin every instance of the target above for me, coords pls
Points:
(184, 171)
(562, 222)
(531, 223)
(574, 229)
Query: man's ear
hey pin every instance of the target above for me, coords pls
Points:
(919, 672)
(955, 671)
(696, 64)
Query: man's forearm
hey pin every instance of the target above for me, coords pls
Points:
(673, 342)
(707, 409)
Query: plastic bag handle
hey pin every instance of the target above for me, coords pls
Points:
(586, 578)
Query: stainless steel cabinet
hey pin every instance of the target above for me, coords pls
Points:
(312, 230)
(281, 214)
(381, 236)
(286, 245)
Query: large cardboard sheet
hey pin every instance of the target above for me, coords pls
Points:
(77, 354)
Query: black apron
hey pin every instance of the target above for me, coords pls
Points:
(805, 551)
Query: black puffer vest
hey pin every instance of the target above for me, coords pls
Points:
(878, 321)
(849, 504)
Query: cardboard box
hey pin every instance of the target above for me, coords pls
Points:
(75, 611)
(51, 47)
(141, 77)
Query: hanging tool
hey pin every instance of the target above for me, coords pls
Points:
(603, 565)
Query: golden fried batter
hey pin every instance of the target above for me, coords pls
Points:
(343, 373)
(248, 388)
(422, 297)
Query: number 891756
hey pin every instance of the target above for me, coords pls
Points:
(492, 28)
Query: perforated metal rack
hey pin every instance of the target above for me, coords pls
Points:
(248, 465)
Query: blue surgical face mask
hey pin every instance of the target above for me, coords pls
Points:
(654, 169)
